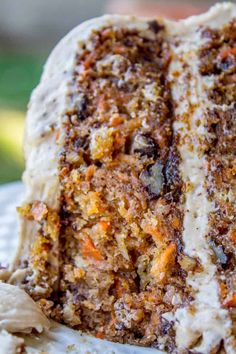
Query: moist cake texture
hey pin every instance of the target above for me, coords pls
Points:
(121, 198)
(128, 230)
(218, 61)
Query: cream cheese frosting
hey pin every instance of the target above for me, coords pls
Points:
(204, 327)
(10, 344)
(18, 312)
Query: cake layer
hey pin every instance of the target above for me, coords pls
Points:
(121, 191)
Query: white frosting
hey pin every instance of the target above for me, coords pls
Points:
(10, 344)
(203, 328)
(18, 312)
(215, 17)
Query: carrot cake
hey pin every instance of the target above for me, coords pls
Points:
(128, 227)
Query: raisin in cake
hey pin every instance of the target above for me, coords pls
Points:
(128, 227)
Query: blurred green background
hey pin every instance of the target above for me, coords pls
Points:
(19, 74)
(28, 31)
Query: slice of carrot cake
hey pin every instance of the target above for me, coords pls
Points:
(128, 226)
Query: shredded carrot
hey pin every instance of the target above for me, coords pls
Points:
(175, 223)
(226, 52)
(119, 140)
(223, 290)
(100, 335)
(232, 236)
(89, 250)
(163, 262)
(57, 134)
(90, 172)
(231, 302)
(154, 232)
(116, 120)
(104, 224)
(88, 62)
(64, 172)
(112, 164)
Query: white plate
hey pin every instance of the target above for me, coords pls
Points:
(10, 197)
